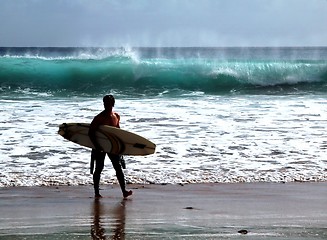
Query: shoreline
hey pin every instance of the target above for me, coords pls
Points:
(192, 211)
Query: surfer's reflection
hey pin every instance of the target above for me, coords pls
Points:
(118, 223)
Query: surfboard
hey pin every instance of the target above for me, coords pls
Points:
(111, 139)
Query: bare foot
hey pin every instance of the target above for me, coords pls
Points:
(127, 193)
(97, 196)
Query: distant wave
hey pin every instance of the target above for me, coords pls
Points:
(88, 72)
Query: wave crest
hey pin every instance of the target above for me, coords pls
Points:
(89, 71)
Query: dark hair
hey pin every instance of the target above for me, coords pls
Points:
(110, 99)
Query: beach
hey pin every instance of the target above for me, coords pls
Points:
(172, 211)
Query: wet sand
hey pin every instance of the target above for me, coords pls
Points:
(193, 211)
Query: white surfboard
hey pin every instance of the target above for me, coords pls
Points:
(111, 139)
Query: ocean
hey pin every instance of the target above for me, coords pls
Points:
(217, 115)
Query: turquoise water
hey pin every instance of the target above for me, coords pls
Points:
(156, 70)
(216, 114)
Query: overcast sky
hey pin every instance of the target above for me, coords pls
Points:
(115, 23)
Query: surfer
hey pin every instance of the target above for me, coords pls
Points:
(106, 117)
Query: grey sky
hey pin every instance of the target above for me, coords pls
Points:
(163, 23)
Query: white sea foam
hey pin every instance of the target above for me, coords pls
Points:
(199, 138)
(80, 54)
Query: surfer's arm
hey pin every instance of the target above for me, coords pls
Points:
(118, 120)
(91, 133)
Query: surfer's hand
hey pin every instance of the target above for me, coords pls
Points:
(99, 148)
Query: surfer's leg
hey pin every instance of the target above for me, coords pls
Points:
(99, 164)
(120, 174)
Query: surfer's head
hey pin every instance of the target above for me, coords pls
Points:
(108, 101)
